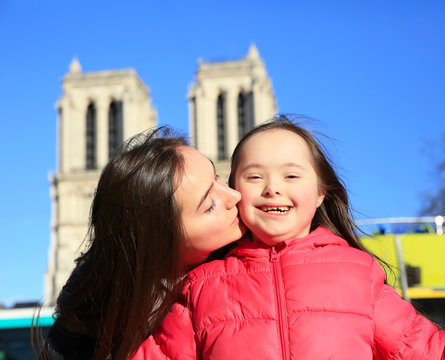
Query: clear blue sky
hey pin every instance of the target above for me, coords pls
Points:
(371, 72)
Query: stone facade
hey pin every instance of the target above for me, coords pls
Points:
(118, 105)
(226, 100)
(97, 109)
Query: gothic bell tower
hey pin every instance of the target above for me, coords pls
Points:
(226, 100)
(97, 112)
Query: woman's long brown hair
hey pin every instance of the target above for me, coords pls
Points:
(126, 281)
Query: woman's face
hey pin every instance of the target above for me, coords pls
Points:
(208, 208)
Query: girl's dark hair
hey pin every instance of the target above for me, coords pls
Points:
(334, 213)
(126, 281)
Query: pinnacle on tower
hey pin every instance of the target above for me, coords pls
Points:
(253, 53)
(75, 67)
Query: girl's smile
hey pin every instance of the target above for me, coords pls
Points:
(275, 209)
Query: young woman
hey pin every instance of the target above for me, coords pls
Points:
(159, 210)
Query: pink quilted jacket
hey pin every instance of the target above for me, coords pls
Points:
(313, 298)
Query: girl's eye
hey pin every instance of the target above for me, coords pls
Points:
(212, 207)
(292, 176)
(253, 177)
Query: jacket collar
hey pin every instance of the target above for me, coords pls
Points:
(317, 238)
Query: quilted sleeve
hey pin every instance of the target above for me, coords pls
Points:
(173, 339)
(401, 333)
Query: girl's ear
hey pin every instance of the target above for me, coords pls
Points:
(321, 194)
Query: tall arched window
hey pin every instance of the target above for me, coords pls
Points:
(250, 111)
(242, 120)
(245, 113)
(115, 131)
(91, 137)
(220, 116)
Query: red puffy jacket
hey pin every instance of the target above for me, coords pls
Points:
(312, 298)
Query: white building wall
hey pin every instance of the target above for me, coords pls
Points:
(229, 77)
(72, 185)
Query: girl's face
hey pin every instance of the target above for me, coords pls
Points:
(208, 208)
(279, 186)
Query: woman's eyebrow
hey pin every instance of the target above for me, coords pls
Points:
(213, 164)
(204, 196)
(209, 189)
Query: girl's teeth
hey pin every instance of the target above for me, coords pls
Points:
(276, 210)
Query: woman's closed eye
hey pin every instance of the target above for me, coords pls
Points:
(211, 207)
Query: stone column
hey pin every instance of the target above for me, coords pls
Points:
(206, 141)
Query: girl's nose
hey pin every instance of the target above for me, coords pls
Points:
(271, 190)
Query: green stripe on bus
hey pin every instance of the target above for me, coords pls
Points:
(23, 323)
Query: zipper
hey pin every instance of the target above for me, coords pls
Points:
(283, 328)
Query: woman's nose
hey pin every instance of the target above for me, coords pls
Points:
(232, 196)
(235, 197)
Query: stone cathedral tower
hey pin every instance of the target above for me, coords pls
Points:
(96, 113)
(228, 99)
